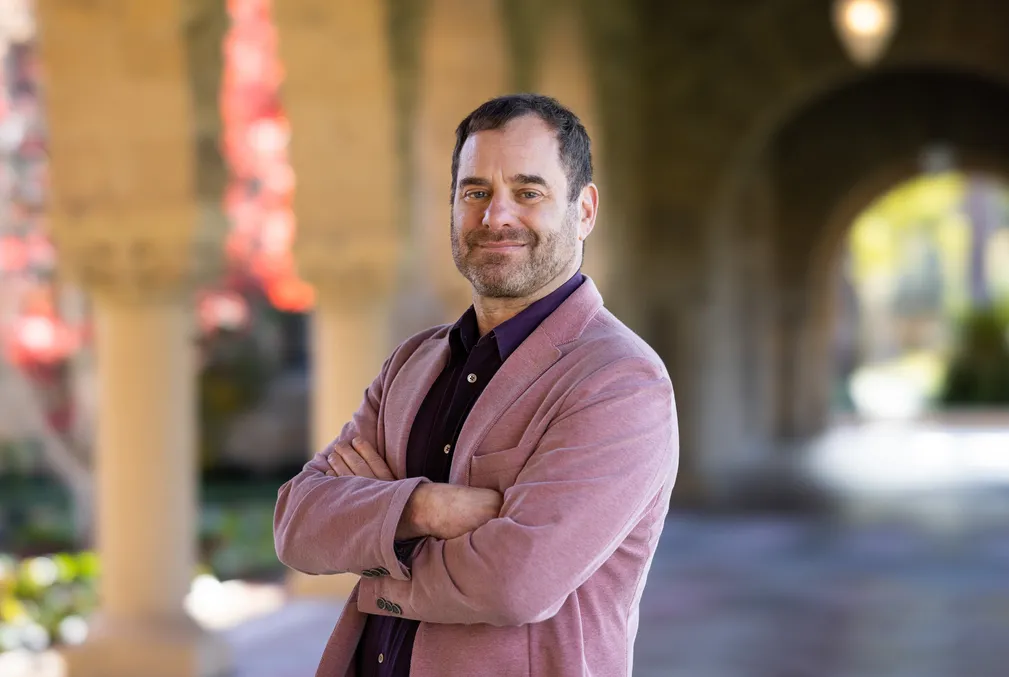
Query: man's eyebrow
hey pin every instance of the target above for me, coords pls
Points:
(517, 178)
(474, 181)
(530, 178)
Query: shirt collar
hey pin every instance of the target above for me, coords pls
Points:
(509, 335)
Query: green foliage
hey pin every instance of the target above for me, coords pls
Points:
(978, 373)
(35, 515)
(38, 595)
(238, 540)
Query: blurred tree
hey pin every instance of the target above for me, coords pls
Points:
(928, 208)
(979, 370)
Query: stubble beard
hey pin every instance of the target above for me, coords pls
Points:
(507, 275)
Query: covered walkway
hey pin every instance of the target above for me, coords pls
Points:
(734, 146)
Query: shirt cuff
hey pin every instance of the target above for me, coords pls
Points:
(404, 549)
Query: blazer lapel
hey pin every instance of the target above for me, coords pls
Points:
(406, 393)
(519, 371)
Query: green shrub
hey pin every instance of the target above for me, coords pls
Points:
(44, 600)
(978, 373)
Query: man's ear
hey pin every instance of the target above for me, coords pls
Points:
(588, 208)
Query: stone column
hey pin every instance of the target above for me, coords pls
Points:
(463, 63)
(147, 497)
(565, 75)
(806, 360)
(740, 445)
(758, 307)
(338, 96)
(124, 220)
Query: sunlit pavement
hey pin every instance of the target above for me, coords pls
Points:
(890, 457)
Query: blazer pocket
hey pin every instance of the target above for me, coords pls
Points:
(498, 469)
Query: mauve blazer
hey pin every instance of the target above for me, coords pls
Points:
(578, 431)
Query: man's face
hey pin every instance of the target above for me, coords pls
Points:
(513, 229)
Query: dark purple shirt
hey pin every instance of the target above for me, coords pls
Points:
(387, 643)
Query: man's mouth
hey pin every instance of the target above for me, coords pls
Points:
(502, 246)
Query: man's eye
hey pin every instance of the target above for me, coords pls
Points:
(476, 194)
(530, 194)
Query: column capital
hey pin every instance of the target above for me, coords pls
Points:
(348, 269)
(122, 212)
(149, 256)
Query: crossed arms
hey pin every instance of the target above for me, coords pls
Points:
(597, 469)
(443, 511)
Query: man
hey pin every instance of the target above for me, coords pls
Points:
(502, 488)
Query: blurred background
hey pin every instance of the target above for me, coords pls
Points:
(217, 219)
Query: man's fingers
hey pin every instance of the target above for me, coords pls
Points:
(338, 467)
(353, 460)
(377, 464)
(358, 458)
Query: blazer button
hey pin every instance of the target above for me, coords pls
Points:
(396, 609)
(369, 573)
(381, 604)
(381, 571)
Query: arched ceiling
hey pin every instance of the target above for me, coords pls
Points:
(719, 78)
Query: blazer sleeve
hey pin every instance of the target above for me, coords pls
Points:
(329, 525)
(597, 470)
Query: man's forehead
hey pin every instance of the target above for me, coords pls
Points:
(524, 138)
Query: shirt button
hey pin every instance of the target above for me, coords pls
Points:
(381, 658)
(471, 378)
(448, 448)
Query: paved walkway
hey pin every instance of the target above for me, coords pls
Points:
(287, 643)
(780, 598)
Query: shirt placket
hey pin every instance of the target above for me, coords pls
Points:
(471, 381)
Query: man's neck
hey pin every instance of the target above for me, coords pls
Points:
(491, 312)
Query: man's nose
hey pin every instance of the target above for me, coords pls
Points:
(500, 212)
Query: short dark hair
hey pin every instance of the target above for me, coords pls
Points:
(575, 145)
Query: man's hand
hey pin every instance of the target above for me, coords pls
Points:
(447, 511)
(358, 458)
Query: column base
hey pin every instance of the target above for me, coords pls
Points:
(175, 649)
(338, 586)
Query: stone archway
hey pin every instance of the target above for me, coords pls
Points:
(772, 231)
(829, 162)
